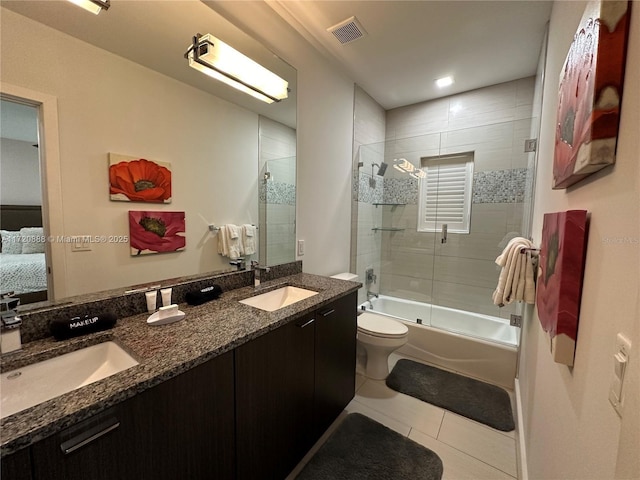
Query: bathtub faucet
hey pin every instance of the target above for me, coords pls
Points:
(371, 294)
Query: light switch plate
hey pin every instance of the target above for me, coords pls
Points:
(300, 247)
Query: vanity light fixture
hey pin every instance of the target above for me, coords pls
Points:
(93, 6)
(215, 58)
(444, 82)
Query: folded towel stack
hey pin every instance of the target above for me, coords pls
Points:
(235, 241)
(516, 282)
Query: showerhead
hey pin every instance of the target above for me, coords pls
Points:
(382, 168)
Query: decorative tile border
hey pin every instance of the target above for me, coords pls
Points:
(499, 186)
(277, 193)
(494, 186)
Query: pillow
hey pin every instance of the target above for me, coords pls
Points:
(11, 242)
(32, 239)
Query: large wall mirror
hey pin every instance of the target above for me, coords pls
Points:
(120, 87)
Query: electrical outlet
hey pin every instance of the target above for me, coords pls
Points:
(300, 247)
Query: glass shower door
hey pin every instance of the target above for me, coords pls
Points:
(481, 174)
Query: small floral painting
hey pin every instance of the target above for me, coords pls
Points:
(156, 232)
(133, 179)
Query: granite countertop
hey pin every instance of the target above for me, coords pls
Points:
(163, 352)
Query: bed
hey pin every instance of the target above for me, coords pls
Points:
(23, 269)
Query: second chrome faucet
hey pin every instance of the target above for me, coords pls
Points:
(257, 272)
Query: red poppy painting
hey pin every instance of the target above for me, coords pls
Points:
(156, 232)
(590, 93)
(561, 265)
(133, 179)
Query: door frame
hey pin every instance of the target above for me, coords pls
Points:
(50, 180)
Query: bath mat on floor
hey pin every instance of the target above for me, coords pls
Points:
(361, 448)
(465, 396)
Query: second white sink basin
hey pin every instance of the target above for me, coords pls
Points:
(33, 384)
(276, 299)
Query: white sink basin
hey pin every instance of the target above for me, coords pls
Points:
(33, 384)
(276, 299)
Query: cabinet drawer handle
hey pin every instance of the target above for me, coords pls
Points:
(89, 436)
(328, 312)
(307, 323)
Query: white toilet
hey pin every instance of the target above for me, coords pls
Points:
(379, 335)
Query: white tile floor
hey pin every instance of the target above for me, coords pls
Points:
(469, 450)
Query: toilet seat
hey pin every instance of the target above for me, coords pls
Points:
(381, 326)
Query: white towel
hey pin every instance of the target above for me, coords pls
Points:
(516, 277)
(223, 248)
(249, 239)
(229, 241)
(234, 241)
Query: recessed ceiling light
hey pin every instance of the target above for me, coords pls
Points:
(444, 81)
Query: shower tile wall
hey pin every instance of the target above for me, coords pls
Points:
(369, 128)
(277, 194)
(493, 123)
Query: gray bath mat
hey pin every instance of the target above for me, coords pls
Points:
(471, 398)
(361, 448)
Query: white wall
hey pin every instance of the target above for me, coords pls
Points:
(571, 430)
(108, 104)
(325, 135)
(19, 173)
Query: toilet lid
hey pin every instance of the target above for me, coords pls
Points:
(381, 326)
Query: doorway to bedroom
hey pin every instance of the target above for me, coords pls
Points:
(23, 258)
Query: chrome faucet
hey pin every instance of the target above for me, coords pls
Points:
(371, 294)
(10, 325)
(257, 269)
(240, 264)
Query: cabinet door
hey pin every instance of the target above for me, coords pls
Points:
(95, 448)
(335, 361)
(274, 393)
(16, 466)
(189, 429)
(182, 428)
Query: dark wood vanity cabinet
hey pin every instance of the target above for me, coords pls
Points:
(16, 466)
(274, 400)
(251, 413)
(182, 428)
(291, 384)
(335, 360)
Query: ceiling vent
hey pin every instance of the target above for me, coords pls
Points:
(348, 30)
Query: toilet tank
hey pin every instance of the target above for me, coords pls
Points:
(346, 276)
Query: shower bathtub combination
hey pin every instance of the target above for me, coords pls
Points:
(478, 345)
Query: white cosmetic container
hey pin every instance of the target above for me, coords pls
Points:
(166, 297)
(151, 300)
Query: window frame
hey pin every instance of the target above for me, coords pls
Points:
(464, 158)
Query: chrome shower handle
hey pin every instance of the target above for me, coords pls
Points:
(444, 233)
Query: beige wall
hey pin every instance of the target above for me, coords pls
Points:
(108, 104)
(571, 430)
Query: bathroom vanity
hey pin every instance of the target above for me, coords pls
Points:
(232, 391)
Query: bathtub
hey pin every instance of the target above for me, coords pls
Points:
(477, 345)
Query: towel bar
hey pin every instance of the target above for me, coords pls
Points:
(214, 228)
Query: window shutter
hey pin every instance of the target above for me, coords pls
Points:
(445, 194)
